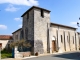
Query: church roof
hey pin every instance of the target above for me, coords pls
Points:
(6, 37)
(34, 7)
(16, 30)
(63, 25)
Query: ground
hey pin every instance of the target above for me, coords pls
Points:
(63, 56)
(59, 56)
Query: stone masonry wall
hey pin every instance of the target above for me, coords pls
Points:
(41, 25)
(65, 45)
(16, 34)
(28, 26)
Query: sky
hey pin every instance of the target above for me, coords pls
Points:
(66, 12)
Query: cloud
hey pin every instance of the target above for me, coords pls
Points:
(20, 2)
(17, 19)
(3, 27)
(11, 8)
(73, 24)
(20, 26)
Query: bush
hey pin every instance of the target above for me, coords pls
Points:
(5, 53)
(20, 43)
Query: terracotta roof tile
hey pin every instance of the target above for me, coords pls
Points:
(6, 37)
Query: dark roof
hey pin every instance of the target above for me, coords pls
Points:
(16, 30)
(63, 25)
(34, 7)
(6, 37)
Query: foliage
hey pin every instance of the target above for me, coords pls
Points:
(6, 51)
(20, 43)
(6, 54)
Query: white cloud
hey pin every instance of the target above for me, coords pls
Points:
(17, 19)
(20, 2)
(11, 8)
(3, 27)
(20, 25)
(73, 24)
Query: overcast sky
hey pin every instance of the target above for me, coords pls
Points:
(66, 12)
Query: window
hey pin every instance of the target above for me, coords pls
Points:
(67, 39)
(73, 39)
(61, 39)
(27, 15)
(42, 13)
(76, 42)
(64, 41)
(57, 36)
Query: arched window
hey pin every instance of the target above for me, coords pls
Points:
(73, 39)
(61, 39)
(54, 38)
(67, 39)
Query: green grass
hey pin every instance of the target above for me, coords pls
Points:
(6, 55)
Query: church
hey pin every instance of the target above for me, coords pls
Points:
(45, 36)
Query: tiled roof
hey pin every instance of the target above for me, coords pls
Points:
(6, 37)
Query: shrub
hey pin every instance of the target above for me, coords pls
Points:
(20, 43)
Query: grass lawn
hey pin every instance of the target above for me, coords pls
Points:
(6, 55)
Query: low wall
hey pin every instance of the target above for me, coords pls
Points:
(18, 54)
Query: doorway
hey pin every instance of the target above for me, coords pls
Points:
(53, 46)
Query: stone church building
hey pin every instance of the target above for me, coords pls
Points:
(45, 36)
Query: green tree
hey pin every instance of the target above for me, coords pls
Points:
(20, 43)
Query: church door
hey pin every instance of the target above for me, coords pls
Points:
(53, 46)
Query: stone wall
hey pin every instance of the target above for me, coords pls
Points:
(68, 35)
(28, 25)
(28, 28)
(18, 33)
(17, 54)
(41, 25)
(5, 43)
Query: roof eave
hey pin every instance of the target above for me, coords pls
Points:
(32, 8)
(63, 25)
(16, 30)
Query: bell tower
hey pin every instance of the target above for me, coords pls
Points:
(36, 23)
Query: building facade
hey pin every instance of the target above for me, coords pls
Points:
(46, 37)
(5, 41)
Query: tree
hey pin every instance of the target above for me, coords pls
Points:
(20, 43)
